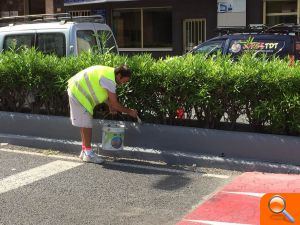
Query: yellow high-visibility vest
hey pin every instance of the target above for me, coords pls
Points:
(85, 86)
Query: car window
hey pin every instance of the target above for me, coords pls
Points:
(86, 40)
(210, 47)
(17, 41)
(107, 41)
(297, 48)
(260, 46)
(50, 43)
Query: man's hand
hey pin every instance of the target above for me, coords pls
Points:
(133, 113)
(112, 110)
(113, 103)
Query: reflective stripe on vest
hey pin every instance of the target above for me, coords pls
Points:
(84, 92)
(85, 86)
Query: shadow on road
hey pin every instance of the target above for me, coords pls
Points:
(173, 179)
(173, 182)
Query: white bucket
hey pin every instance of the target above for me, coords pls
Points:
(113, 137)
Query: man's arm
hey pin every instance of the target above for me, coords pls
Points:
(114, 104)
(111, 109)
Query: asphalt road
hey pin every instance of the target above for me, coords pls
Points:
(52, 188)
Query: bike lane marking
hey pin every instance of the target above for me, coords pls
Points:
(238, 203)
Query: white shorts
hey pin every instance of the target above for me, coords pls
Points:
(79, 116)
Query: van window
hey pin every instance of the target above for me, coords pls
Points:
(17, 41)
(210, 47)
(297, 49)
(46, 42)
(86, 41)
(51, 43)
(107, 41)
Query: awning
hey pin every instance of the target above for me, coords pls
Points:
(86, 2)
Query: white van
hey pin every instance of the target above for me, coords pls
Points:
(62, 35)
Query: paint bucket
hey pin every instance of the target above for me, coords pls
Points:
(113, 137)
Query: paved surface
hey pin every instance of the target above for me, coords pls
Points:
(46, 188)
(239, 202)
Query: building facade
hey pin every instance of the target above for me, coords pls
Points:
(26, 7)
(165, 27)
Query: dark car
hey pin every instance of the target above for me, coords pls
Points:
(273, 41)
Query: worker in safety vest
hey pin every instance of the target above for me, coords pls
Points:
(88, 88)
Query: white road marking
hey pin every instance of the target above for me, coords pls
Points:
(216, 176)
(147, 167)
(215, 222)
(35, 174)
(40, 154)
(258, 195)
(159, 169)
(165, 170)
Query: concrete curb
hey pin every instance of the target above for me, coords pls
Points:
(171, 158)
(175, 144)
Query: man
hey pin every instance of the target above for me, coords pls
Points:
(88, 88)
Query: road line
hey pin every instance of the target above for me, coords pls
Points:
(214, 222)
(216, 176)
(159, 169)
(148, 168)
(35, 174)
(40, 154)
(258, 195)
(165, 170)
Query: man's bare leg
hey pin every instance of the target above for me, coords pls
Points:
(86, 136)
(88, 154)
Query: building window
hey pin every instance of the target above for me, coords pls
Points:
(80, 13)
(194, 33)
(282, 11)
(9, 13)
(157, 28)
(143, 28)
(127, 27)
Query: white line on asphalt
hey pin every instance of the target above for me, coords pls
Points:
(214, 222)
(165, 170)
(35, 174)
(270, 167)
(258, 195)
(147, 167)
(40, 154)
(117, 164)
(216, 176)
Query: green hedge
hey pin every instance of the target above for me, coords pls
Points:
(266, 90)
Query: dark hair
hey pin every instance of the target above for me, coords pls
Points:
(123, 70)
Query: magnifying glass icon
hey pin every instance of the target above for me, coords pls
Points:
(277, 205)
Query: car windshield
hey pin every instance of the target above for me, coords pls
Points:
(86, 41)
(107, 41)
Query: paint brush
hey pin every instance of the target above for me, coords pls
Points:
(138, 119)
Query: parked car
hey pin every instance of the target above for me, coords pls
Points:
(60, 34)
(270, 41)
